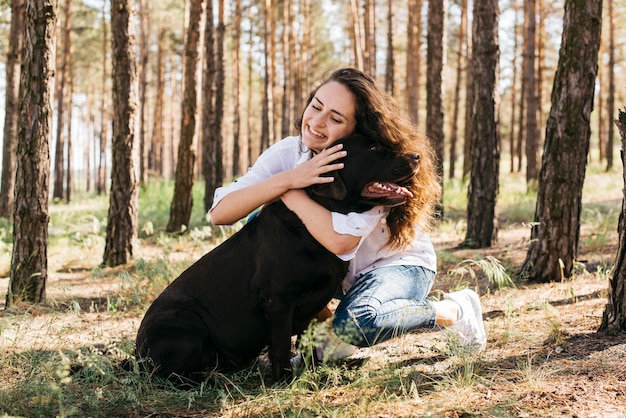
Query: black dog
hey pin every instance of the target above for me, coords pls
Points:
(266, 282)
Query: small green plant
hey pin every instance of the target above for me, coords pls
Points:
(490, 266)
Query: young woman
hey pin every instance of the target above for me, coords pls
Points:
(392, 260)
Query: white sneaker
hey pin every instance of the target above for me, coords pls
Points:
(470, 324)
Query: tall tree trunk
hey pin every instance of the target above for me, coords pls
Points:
(460, 63)
(249, 120)
(413, 62)
(236, 51)
(59, 153)
(602, 120)
(614, 316)
(610, 100)
(287, 85)
(356, 34)
(267, 114)
(11, 111)
(485, 148)
(182, 202)
(210, 143)
(101, 166)
(390, 75)
(434, 85)
(29, 259)
(122, 219)
(555, 234)
(157, 144)
(219, 99)
(70, 106)
(530, 85)
(514, 90)
(521, 116)
(369, 30)
(469, 100)
(144, 15)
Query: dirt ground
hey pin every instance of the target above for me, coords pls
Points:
(544, 354)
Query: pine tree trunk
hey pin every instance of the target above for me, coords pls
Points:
(469, 100)
(457, 91)
(485, 148)
(59, 153)
(356, 34)
(434, 85)
(11, 111)
(29, 264)
(610, 100)
(122, 219)
(104, 117)
(614, 317)
(390, 75)
(413, 58)
(530, 93)
(156, 150)
(182, 202)
(555, 234)
(210, 143)
(144, 13)
(238, 164)
(369, 30)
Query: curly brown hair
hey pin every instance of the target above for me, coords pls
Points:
(379, 115)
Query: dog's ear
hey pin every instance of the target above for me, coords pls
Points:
(335, 190)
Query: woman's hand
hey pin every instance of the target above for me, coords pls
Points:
(311, 171)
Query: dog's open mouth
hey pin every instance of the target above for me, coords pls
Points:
(385, 189)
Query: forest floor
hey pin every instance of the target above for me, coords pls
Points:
(544, 356)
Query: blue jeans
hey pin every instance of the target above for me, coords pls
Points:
(385, 303)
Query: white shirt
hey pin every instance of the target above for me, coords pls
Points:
(369, 253)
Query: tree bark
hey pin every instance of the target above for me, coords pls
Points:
(555, 234)
(122, 220)
(530, 94)
(460, 63)
(11, 112)
(485, 140)
(610, 100)
(390, 75)
(614, 316)
(434, 85)
(210, 143)
(182, 202)
(157, 144)
(29, 265)
(58, 192)
(101, 164)
(144, 15)
(413, 62)
(236, 53)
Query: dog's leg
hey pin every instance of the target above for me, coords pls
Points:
(280, 325)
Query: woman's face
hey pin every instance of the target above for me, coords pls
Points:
(329, 116)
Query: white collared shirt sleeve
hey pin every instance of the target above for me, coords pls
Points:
(358, 225)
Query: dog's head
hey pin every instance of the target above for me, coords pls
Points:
(372, 176)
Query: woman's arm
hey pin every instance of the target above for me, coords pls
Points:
(239, 203)
(318, 221)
